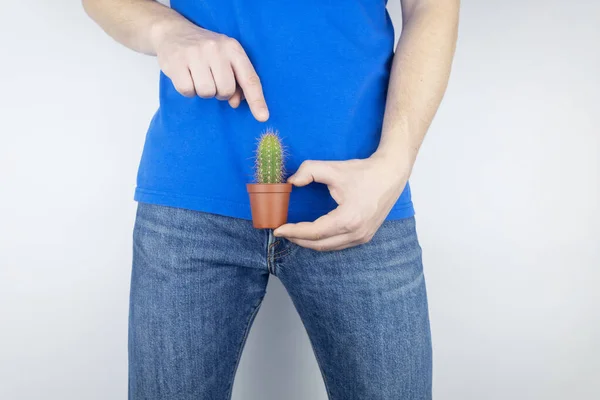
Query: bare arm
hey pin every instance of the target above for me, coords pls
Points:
(198, 61)
(133, 23)
(367, 189)
(419, 77)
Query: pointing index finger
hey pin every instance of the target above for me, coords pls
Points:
(249, 81)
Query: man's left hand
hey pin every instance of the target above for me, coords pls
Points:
(365, 191)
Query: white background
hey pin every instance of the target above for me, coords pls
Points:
(507, 191)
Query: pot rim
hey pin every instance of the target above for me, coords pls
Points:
(269, 187)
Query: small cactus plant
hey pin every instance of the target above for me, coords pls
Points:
(269, 158)
(270, 195)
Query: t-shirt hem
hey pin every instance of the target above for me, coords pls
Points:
(242, 210)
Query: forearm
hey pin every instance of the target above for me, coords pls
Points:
(418, 80)
(133, 23)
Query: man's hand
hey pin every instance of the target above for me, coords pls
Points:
(365, 191)
(207, 64)
(198, 61)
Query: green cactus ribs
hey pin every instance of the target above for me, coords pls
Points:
(269, 158)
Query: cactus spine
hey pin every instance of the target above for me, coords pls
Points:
(269, 159)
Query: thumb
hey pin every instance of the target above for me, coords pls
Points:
(312, 171)
(237, 98)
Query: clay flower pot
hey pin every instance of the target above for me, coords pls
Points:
(269, 196)
(269, 204)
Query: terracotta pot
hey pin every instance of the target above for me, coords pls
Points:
(269, 204)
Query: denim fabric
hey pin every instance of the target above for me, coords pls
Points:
(198, 281)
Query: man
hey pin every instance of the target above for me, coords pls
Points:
(353, 116)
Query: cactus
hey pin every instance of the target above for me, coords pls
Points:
(269, 158)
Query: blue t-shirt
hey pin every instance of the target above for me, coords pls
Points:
(324, 67)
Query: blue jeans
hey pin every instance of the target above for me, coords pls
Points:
(198, 281)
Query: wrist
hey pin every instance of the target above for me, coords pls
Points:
(158, 29)
(163, 27)
(397, 162)
(393, 170)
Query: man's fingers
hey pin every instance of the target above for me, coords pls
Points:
(228, 75)
(203, 81)
(224, 78)
(338, 242)
(182, 81)
(237, 98)
(324, 227)
(314, 171)
(248, 80)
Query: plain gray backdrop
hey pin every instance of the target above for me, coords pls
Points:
(507, 192)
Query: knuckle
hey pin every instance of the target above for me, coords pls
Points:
(253, 80)
(206, 92)
(227, 92)
(224, 95)
(307, 164)
(233, 44)
(185, 90)
(210, 46)
(257, 103)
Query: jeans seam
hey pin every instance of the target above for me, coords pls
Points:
(241, 345)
